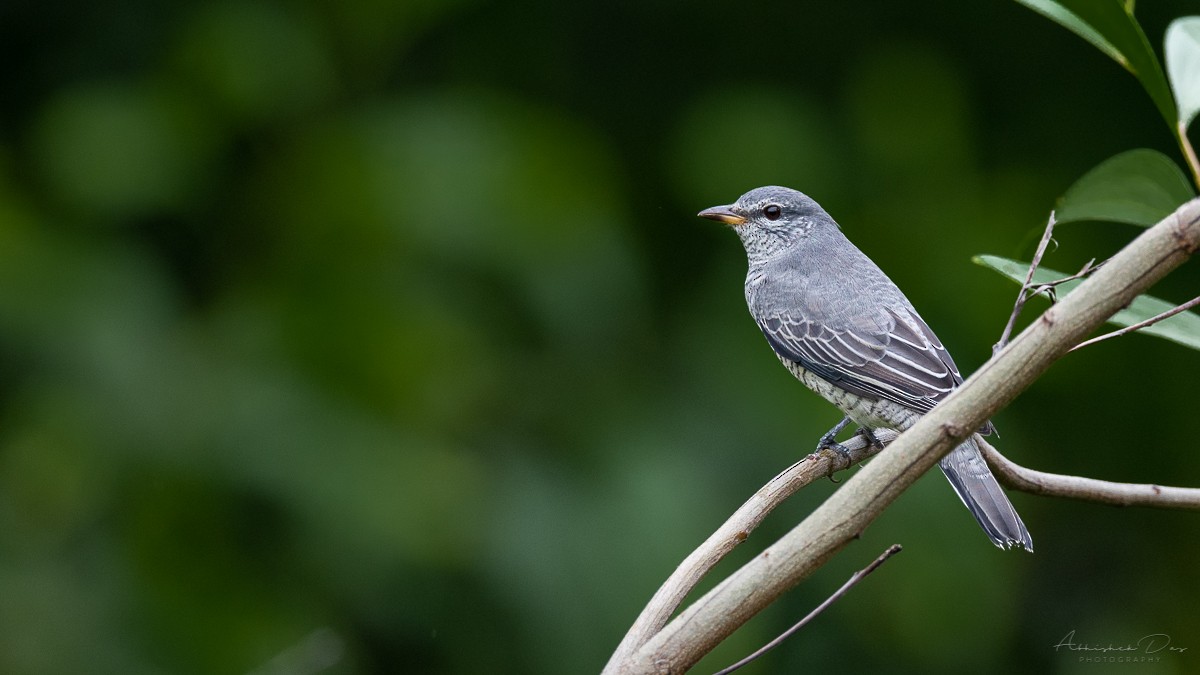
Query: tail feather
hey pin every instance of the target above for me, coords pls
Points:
(984, 497)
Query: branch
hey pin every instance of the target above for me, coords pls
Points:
(864, 496)
(746, 519)
(1035, 482)
(734, 531)
(1141, 324)
(837, 595)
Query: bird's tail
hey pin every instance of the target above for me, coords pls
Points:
(978, 489)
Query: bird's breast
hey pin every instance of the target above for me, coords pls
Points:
(872, 413)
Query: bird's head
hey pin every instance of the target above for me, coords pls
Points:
(771, 219)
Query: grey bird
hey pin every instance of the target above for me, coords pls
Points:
(846, 331)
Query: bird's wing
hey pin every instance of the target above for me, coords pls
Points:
(897, 357)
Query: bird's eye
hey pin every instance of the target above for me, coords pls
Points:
(772, 211)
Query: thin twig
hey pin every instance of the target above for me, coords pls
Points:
(1141, 324)
(1029, 290)
(1036, 482)
(1023, 295)
(850, 583)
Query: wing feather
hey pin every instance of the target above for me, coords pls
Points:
(898, 358)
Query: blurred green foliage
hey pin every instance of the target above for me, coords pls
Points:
(371, 337)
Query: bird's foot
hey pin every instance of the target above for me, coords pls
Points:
(827, 442)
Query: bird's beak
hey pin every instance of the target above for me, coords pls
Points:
(723, 214)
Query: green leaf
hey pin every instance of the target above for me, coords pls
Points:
(1110, 26)
(1058, 12)
(1140, 187)
(1183, 328)
(1181, 49)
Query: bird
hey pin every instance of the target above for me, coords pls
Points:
(846, 331)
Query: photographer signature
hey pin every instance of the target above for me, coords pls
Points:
(1147, 644)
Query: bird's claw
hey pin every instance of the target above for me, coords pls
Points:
(827, 443)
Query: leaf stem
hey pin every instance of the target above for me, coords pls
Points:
(1189, 153)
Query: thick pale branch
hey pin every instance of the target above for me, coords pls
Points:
(1035, 482)
(848, 511)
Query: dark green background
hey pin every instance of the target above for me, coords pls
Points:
(383, 334)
